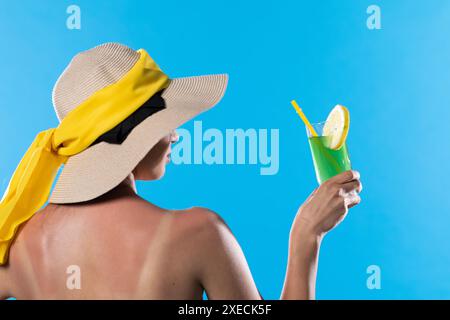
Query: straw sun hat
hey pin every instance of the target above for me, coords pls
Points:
(102, 166)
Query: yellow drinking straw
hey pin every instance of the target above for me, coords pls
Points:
(304, 119)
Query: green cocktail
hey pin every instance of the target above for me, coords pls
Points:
(327, 142)
(328, 162)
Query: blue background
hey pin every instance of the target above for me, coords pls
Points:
(395, 81)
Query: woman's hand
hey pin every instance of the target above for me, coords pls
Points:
(321, 212)
(328, 205)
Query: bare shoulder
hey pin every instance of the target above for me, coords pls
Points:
(200, 233)
(200, 224)
(217, 259)
(191, 232)
(189, 225)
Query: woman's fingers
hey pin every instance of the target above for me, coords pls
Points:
(352, 199)
(344, 177)
(352, 185)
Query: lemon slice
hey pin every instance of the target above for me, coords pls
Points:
(336, 126)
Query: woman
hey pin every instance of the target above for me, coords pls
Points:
(96, 238)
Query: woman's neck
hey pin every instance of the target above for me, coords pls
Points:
(127, 188)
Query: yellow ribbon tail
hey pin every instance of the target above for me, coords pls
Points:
(28, 189)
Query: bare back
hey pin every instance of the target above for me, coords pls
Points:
(127, 248)
(124, 249)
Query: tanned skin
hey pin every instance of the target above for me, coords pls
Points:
(128, 248)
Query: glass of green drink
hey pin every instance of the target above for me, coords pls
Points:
(327, 162)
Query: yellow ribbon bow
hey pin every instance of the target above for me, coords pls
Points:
(30, 185)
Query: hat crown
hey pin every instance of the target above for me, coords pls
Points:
(90, 71)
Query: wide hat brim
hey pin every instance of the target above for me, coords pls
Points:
(103, 166)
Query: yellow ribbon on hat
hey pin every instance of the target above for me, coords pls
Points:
(30, 185)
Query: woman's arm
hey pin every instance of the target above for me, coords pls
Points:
(325, 208)
(301, 271)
